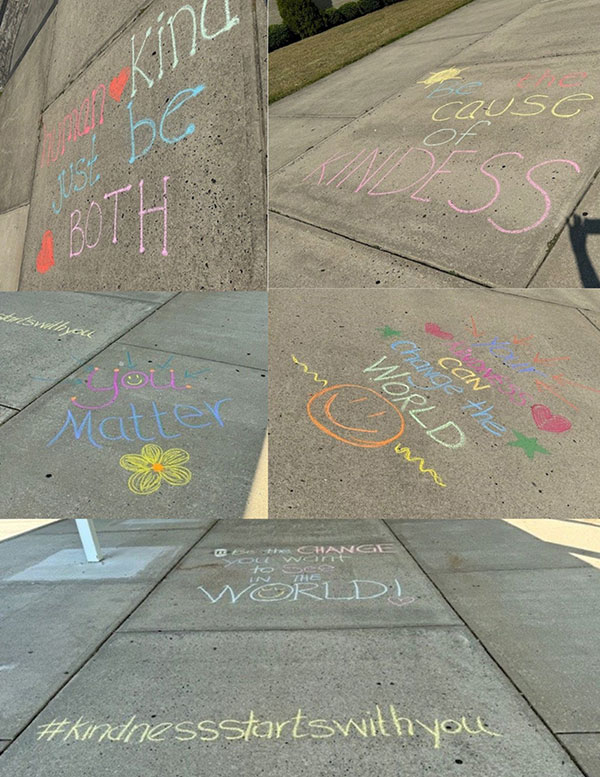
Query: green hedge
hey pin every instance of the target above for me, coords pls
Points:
(367, 6)
(349, 11)
(302, 17)
(333, 17)
(280, 35)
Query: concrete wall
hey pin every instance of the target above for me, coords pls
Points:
(132, 145)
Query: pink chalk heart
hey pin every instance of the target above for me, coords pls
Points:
(400, 601)
(45, 258)
(545, 420)
(433, 329)
(117, 85)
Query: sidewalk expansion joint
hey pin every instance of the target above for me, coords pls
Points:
(191, 356)
(389, 251)
(319, 629)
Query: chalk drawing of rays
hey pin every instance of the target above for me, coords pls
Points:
(442, 75)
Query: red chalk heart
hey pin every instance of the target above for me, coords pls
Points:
(117, 85)
(45, 258)
(433, 329)
(544, 419)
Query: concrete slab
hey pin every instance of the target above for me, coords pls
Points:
(320, 576)
(555, 614)
(116, 564)
(82, 30)
(40, 665)
(221, 327)
(37, 11)
(82, 441)
(427, 443)
(362, 85)
(472, 545)
(26, 557)
(514, 39)
(46, 336)
(585, 749)
(12, 228)
(397, 180)
(483, 18)
(19, 122)
(301, 682)
(290, 136)
(574, 260)
(305, 256)
(4, 743)
(193, 139)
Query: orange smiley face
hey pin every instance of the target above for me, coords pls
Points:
(356, 415)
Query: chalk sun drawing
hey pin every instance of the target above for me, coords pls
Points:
(306, 370)
(330, 407)
(442, 75)
(153, 465)
(405, 451)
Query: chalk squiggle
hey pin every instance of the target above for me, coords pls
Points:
(305, 366)
(407, 455)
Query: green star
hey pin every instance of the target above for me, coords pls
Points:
(529, 444)
(387, 332)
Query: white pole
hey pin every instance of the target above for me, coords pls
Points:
(89, 539)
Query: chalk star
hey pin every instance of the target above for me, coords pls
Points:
(387, 332)
(442, 75)
(529, 444)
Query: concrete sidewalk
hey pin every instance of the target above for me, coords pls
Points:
(382, 646)
(416, 166)
(421, 403)
(98, 389)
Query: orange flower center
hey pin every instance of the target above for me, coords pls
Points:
(158, 467)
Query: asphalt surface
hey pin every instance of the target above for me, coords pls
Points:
(273, 646)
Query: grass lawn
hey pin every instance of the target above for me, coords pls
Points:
(308, 60)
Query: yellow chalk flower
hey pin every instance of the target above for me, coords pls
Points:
(153, 466)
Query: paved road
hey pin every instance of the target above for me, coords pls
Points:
(464, 152)
(277, 646)
(422, 403)
(131, 405)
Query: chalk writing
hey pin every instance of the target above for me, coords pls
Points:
(87, 177)
(153, 466)
(192, 19)
(182, 414)
(382, 722)
(59, 327)
(429, 170)
(134, 379)
(407, 455)
(53, 141)
(305, 368)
